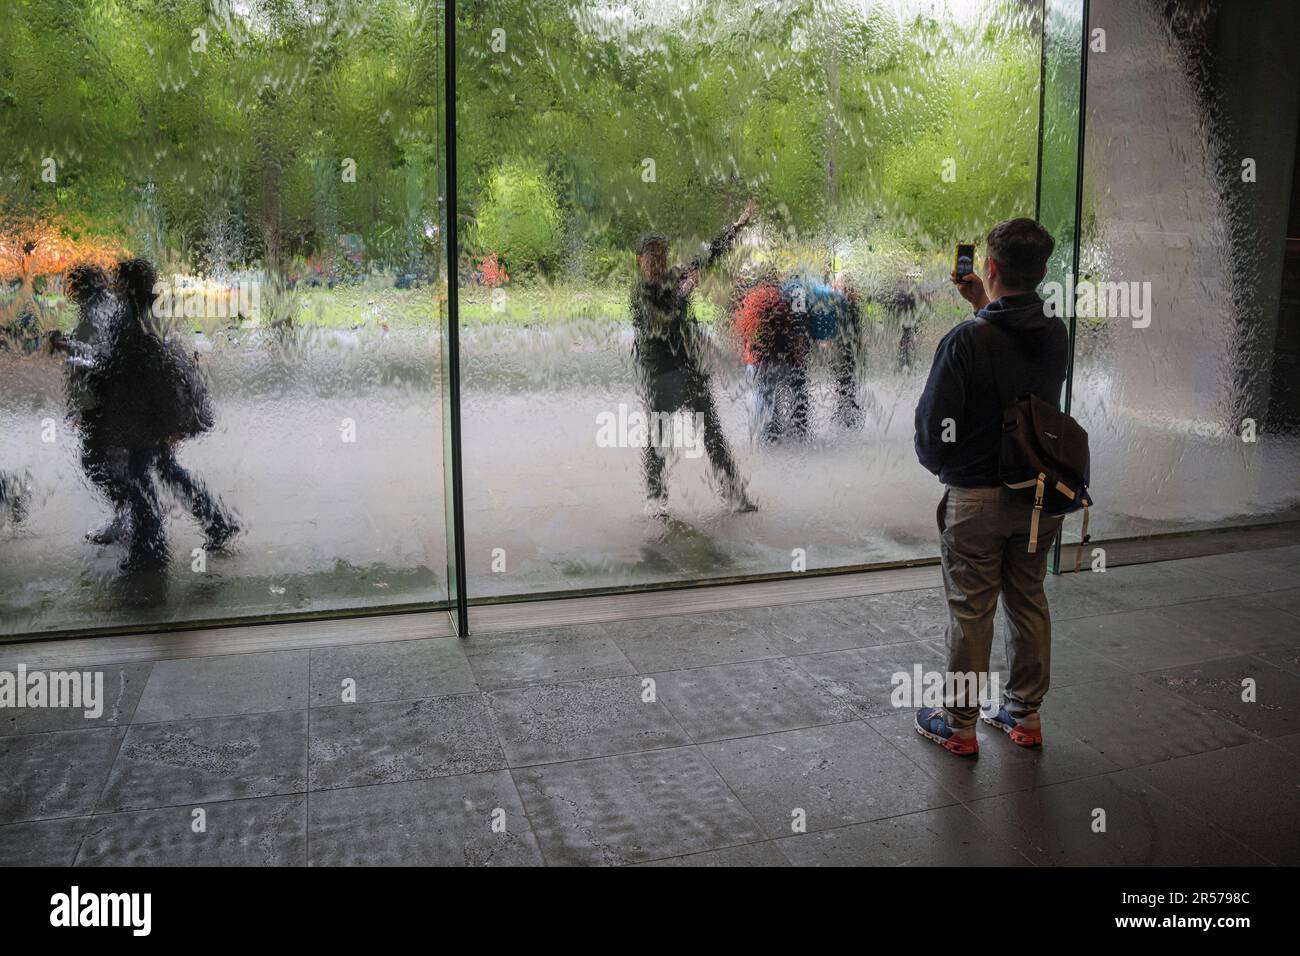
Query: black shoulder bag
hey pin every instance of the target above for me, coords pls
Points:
(1043, 456)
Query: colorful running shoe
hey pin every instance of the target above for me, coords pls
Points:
(932, 723)
(1025, 731)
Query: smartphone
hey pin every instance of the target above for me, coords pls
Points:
(964, 262)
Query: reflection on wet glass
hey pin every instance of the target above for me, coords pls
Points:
(220, 247)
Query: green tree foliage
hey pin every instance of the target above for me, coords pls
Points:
(519, 220)
(580, 123)
(220, 130)
(985, 140)
(836, 118)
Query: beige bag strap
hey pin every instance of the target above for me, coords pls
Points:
(1038, 512)
(1083, 539)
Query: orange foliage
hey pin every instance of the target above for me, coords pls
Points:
(42, 247)
(492, 273)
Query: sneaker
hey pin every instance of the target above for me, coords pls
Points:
(931, 722)
(111, 531)
(1024, 731)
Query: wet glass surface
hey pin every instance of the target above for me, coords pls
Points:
(869, 139)
(1183, 95)
(278, 166)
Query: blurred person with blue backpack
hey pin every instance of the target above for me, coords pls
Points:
(814, 314)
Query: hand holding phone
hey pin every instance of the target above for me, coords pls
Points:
(966, 279)
(963, 263)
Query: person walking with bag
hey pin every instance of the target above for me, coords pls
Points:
(153, 397)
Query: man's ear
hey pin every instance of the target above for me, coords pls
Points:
(990, 268)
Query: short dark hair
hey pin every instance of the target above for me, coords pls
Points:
(84, 283)
(651, 239)
(1021, 248)
(135, 280)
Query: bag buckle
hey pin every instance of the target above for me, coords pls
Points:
(1038, 511)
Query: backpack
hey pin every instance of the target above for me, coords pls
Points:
(149, 390)
(191, 412)
(1044, 458)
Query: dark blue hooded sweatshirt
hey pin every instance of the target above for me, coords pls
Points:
(977, 371)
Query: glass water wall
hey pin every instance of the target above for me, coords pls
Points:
(1185, 369)
(264, 435)
(869, 138)
(699, 273)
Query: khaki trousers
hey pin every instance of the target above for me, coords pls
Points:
(984, 549)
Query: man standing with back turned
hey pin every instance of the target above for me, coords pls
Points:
(1014, 345)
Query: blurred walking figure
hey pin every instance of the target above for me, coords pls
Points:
(150, 397)
(780, 324)
(844, 365)
(13, 499)
(901, 306)
(775, 344)
(831, 319)
(87, 287)
(667, 349)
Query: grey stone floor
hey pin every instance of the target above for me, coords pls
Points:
(539, 747)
